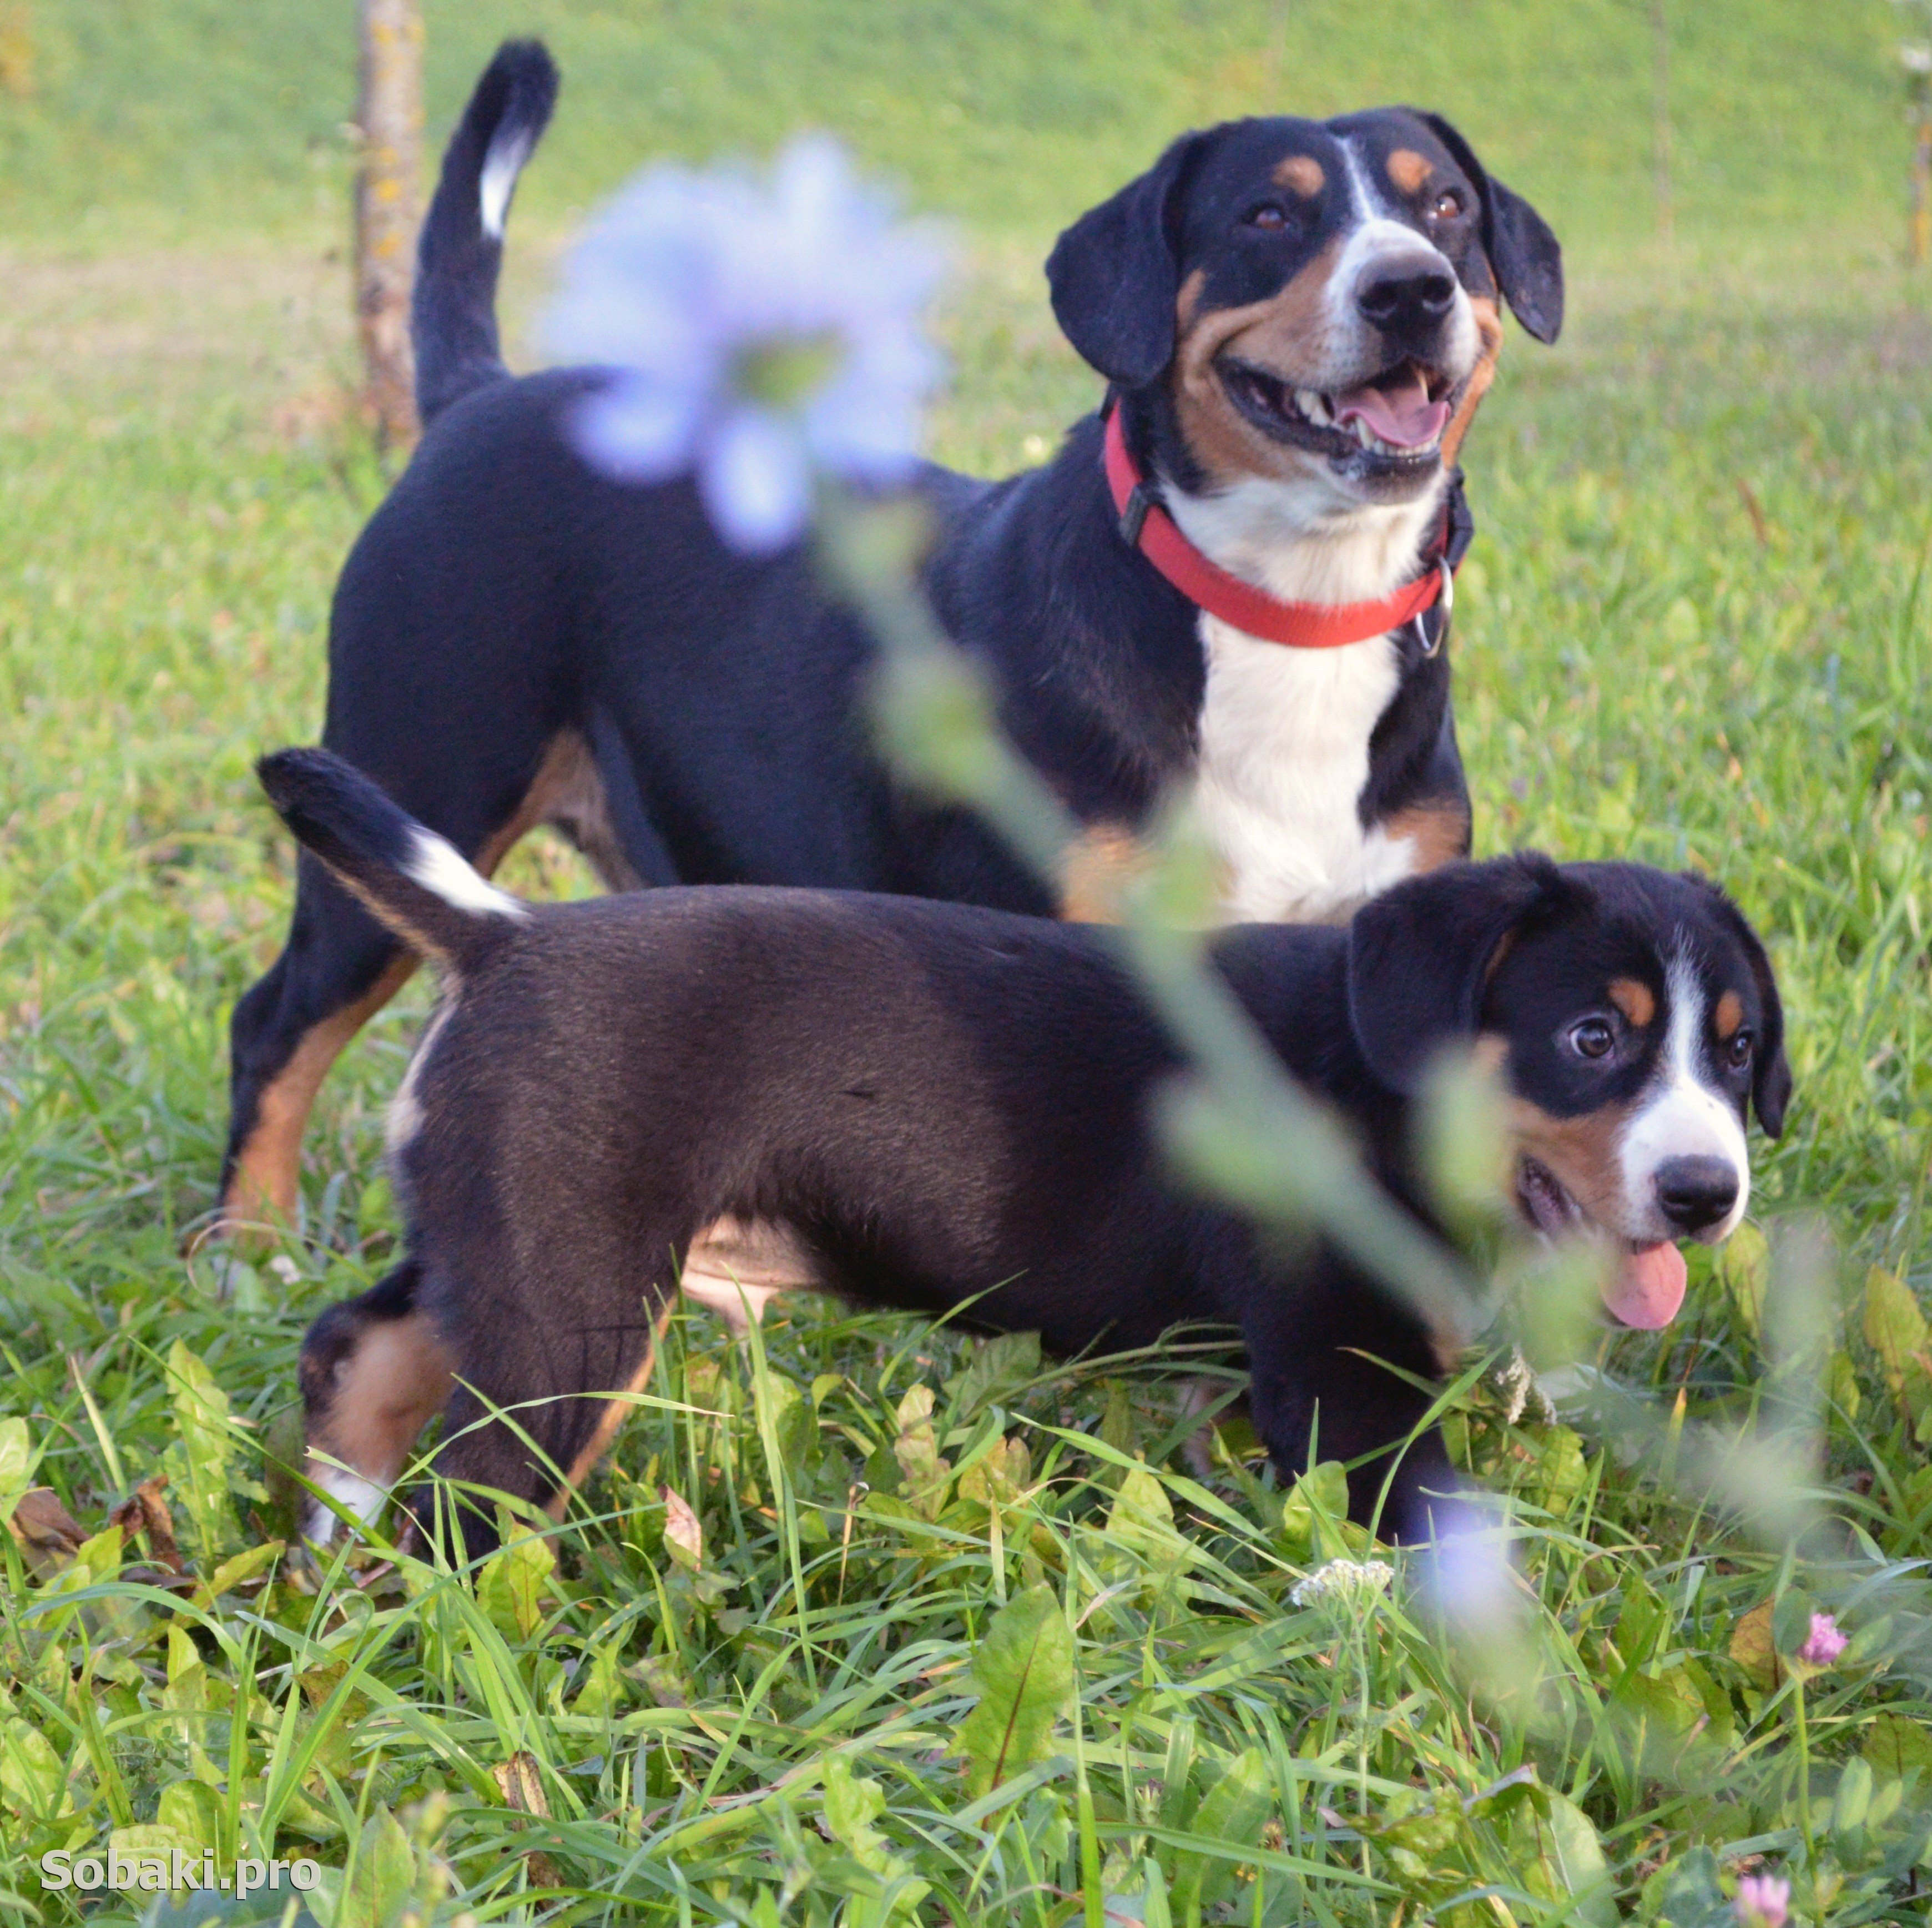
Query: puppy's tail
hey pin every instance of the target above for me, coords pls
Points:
(414, 881)
(453, 320)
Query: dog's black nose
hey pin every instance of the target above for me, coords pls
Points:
(1407, 294)
(1696, 1194)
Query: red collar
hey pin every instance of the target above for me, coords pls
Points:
(1146, 527)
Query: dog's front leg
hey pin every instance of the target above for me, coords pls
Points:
(1321, 1363)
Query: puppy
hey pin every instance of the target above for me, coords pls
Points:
(1229, 582)
(928, 1104)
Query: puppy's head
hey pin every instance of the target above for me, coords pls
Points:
(1317, 299)
(1636, 1022)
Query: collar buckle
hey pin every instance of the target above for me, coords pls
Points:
(1134, 514)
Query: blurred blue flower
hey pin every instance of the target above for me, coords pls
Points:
(760, 333)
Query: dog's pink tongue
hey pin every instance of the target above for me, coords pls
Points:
(1647, 1287)
(1400, 412)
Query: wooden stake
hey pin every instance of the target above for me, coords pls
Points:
(387, 202)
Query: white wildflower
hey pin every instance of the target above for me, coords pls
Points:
(1917, 57)
(1516, 1382)
(1345, 1580)
(759, 332)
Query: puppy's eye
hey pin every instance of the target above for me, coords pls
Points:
(1592, 1039)
(1447, 205)
(1738, 1052)
(1271, 217)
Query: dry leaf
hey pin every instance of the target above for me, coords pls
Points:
(518, 1781)
(49, 1534)
(682, 1533)
(145, 1511)
(520, 1785)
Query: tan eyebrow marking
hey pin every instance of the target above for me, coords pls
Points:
(1408, 169)
(1634, 999)
(1730, 1014)
(1304, 173)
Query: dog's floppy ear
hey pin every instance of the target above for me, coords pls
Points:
(1421, 954)
(1115, 274)
(1771, 1071)
(1526, 256)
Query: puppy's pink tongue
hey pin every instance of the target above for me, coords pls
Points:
(1399, 411)
(1647, 1287)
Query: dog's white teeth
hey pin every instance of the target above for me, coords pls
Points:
(1363, 434)
(1314, 405)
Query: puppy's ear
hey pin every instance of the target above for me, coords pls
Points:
(1526, 256)
(1115, 274)
(1770, 1072)
(1420, 957)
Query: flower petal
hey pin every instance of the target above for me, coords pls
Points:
(754, 480)
(637, 430)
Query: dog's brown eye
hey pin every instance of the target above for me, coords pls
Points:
(1592, 1039)
(1448, 205)
(1738, 1052)
(1268, 216)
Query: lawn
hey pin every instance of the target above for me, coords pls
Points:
(1697, 629)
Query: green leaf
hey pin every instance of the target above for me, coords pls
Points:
(1024, 1669)
(1894, 1327)
(384, 1873)
(192, 1809)
(16, 1465)
(1563, 1860)
(1233, 1811)
(510, 1587)
(999, 1364)
(1894, 1742)
(1744, 1267)
(851, 1806)
(1317, 1504)
(199, 1460)
(33, 1782)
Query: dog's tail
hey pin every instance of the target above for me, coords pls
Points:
(414, 881)
(453, 320)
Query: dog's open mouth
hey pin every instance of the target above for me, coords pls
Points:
(1647, 1287)
(1396, 419)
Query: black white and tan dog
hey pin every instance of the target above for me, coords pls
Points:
(936, 1107)
(1230, 582)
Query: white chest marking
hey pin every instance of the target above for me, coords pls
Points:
(1284, 755)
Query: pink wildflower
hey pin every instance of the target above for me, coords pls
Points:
(1824, 1643)
(1763, 1900)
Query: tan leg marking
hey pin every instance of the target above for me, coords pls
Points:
(615, 1412)
(1489, 332)
(265, 1185)
(1098, 866)
(1439, 831)
(397, 1379)
(567, 792)
(1634, 998)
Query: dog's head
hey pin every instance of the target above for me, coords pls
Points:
(1308, 303)
(1636, 1020)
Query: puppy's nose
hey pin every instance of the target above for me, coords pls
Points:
(1407, 294)
(1696, 1194)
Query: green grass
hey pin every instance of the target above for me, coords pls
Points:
(1696, 629)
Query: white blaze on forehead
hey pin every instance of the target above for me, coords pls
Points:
(1684, 1113)
(1375, 233)
(439, 866)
